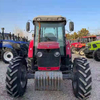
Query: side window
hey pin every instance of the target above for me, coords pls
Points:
(36, 38)
(61, 40)
(60, 35)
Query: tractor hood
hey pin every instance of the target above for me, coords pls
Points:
(10, 41)
(23, 42)
(48, 45)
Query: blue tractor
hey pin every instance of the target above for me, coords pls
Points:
(10, 47)
(24, 44)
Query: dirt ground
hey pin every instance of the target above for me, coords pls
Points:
(65, 94)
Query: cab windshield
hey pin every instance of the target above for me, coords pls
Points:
(51, 31)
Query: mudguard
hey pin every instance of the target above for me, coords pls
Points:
(7, 46)
(30, 50)
(68, 49)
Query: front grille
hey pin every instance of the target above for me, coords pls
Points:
(48, 59)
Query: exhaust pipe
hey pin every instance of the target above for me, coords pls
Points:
(3, 32)
(10, 35)
(13, 36)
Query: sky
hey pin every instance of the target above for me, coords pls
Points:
(84, 13)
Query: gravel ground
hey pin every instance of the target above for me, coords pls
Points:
(65, 94)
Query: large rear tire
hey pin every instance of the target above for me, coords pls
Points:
(16, 80)
(8, 55)
(96, 55)
(82, 82)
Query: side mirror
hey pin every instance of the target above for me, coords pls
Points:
(71, 26)
(28, 26)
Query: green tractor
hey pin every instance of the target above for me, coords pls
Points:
(92, 49)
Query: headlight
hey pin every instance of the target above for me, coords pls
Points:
(39, 54)
(56, 54)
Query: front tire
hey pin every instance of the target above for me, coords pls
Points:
(8, 55)
(82, 82)
(16, 80)
(96, 55)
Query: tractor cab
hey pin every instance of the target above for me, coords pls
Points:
(49, 41)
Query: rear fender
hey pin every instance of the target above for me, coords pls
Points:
(68, 49)
(30, 50)
(7, 46)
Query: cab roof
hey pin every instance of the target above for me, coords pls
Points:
(49, 19)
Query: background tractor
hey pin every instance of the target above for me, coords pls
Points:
(24, 44)
(92, 49)
(10, 47)
(7, 49)
(49, 61)
(79, 46)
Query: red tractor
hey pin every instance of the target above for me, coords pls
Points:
(49, 61)
(79, 46)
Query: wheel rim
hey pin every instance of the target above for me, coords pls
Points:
(8, 56)
(23, 76)
(81, 52)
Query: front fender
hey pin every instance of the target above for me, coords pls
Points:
(7, 46)
(30, 50)
(68, 49)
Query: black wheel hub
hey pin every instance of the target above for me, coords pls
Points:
(8, 56)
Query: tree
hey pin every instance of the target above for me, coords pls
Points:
(83, 32)
(75, 35)
(68, 36)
